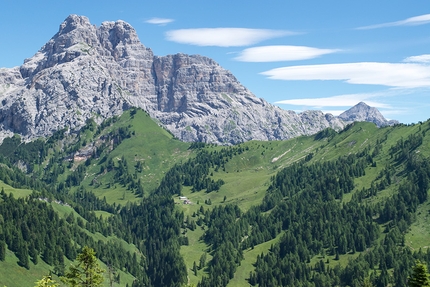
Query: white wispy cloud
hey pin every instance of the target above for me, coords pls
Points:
(348, 100)
(413, 21)
(418, 59)
(223, 37)
(281, 53)
(159, 21)
(404, 75)
(388, 114)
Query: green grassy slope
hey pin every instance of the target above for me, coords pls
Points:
(13, 275)
(247, 177)
(151, 151)
(151, 146)
(17, 192)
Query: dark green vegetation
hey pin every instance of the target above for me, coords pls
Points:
(86, 272)
(419, 276)
(336, 209)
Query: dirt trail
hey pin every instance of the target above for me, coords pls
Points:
(276, 158)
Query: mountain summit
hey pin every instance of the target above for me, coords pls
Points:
(364, 113)
(86, 72)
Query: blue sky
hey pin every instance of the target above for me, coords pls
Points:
(300, 55)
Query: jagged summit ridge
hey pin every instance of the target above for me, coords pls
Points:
(78, 38)
(85, 71)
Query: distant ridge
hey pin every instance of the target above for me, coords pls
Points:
(364, 113)
(86, 72)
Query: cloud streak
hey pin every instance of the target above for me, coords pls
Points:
(281, 53)
(413, 21)
(402, 75)
(159, 21)
(336, 101)
(223, 37)
(418, 59)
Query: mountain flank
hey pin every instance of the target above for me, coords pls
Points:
(347, 206)
(87, 72)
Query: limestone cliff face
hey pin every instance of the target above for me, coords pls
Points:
(86, 71)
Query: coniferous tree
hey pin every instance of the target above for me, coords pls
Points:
(33, 253)
(2, 250)
(46, 281)
(87, 273)
(367, 282)
(202, 261)
(195, 268)
(22, 254)
(419, 276)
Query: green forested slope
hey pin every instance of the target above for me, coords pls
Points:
(326, 210)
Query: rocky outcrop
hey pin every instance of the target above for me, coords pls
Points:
(364, 113)
(86, 72)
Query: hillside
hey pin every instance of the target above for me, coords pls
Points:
(324, 210)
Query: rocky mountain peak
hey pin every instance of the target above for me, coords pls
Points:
(75, 30)
(362, 112)
(118, 32)
(85, 72)
(73, 22)
(121, 40)
(75, 36)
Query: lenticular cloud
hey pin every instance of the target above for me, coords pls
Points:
(281, 53)
(413, 21)
(405, 75)
(223, 37)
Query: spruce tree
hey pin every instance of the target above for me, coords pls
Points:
(87, 273)
(2, 250)
(33, 253)
(22, 254)
(202, 261)
(195, 268)
(419, 276)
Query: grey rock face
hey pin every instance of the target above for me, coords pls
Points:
(364, 113)
(86, 72)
